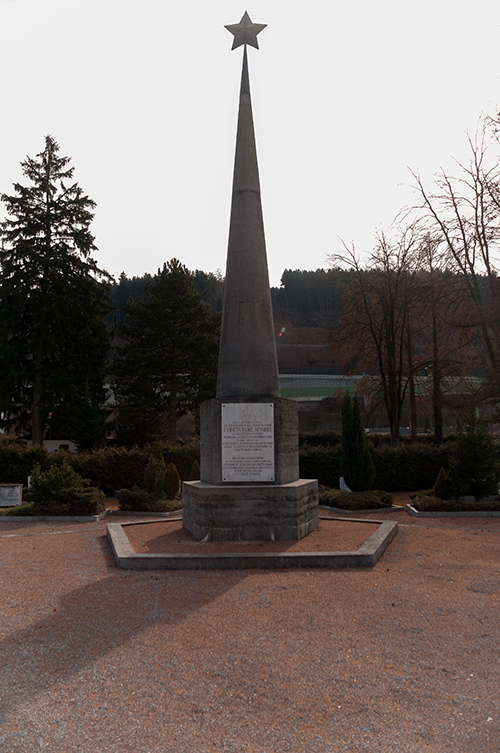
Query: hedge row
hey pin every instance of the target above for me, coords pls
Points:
(406, 468)
(109, 469)
(409, 467)
(332, 438)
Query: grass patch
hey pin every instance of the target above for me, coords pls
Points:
(372, 500)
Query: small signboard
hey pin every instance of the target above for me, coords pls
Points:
(11, 495)
(247, 442)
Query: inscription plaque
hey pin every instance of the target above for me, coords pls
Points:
(247, 442)
(11, 495)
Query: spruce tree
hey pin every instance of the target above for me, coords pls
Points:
(357, 466)
(53, 301)
(166, 358)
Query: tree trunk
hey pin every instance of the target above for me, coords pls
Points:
(172, 414)
(411, 387)
(436, 382)
(37, 423)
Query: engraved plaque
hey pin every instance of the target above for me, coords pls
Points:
(11, 495)
(247, 442)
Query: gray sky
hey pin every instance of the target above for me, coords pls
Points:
(143, 97)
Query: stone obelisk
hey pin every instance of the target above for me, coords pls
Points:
(250, 487)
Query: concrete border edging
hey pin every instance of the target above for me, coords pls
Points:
(411, 510)
(340, 511)
(366, 556)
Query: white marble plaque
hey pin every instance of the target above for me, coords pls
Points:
(11, 495)
(247, 442)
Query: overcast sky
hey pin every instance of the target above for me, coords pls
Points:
(143, 97)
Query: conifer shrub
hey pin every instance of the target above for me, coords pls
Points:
(155, 475)
(356, 465)
(476, 458)
(60, 490)
(172, 481)
(441, 487)
(195, 472)
(448, 484)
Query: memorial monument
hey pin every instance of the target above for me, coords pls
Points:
(250, 487)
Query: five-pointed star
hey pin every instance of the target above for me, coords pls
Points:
(245, 32)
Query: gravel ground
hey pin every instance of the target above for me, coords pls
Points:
(403, 657)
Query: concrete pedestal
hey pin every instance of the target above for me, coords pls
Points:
(249, 512)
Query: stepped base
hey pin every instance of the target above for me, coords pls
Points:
(250, 513)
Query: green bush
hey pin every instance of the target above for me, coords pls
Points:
(139, 500)
(136, 499)
(427, 503)
(365, 500)
(62, 491)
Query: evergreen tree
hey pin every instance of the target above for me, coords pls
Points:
(357, 465)
(53, 302)
(166, 361)
(476, 458)
(155, 474)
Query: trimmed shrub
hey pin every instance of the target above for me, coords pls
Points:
(155, 475)
(117, 467)
(428, 503)
(409, 467)
(406, 468)
(319, 438)
(322, 463)
(139, 500)
(366, 500)
(17, 461)
(135, 499)
(195, 472)
(172, 481)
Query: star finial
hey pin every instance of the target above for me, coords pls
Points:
(245, 32)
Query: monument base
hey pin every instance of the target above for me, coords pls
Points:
(250, 513)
